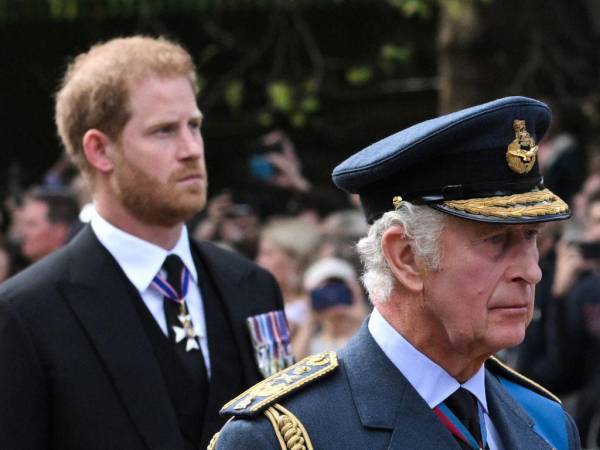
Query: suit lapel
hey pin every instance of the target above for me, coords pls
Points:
(230, 284)
(513, 424)
(97, 291)
(386, 401)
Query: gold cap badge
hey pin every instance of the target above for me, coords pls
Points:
(522, 151)
(397, 201)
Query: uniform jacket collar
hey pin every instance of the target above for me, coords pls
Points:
(385, 400)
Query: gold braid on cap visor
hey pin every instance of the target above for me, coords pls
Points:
(528, 204)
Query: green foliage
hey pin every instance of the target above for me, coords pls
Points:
(277, 69)
(281, 96)
(455, 8)
(310, 86)
(207, 53)
(310, 104)
(265, 119)
(391, 55)
(424, 8)
(410, 8)
(201, 80)
(234, 95)
(63, 9)
(296, 101)
(298, 119)
(359, 75)
(70, 10)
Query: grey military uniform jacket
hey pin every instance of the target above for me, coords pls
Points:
(365, 403)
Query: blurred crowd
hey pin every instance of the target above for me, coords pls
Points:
(308, 244)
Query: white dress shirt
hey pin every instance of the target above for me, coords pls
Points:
(432, 382)
(141, 261)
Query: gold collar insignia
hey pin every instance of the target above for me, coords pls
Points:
(522, 151)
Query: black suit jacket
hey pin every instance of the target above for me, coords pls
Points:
(77, 371)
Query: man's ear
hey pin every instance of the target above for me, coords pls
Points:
(98, 149)
(401, 258)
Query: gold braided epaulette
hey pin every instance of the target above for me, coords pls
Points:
(213, 442)
(529, 204)
(288, 429)
(499, 368)
(290, 432)
(281, 384)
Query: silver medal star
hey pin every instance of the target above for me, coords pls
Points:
(186, 332)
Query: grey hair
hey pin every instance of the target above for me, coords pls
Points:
(422, 225)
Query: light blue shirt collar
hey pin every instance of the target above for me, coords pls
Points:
(431, 381)
(140, 259)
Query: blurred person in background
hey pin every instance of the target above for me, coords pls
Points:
(47, 221)
(564, 266)
(337, 306)
(11, 260)
(561, 159)
(279, 162)
(132, 335)
(60, 175)
(562, 345)
(232, 225)
(5, 263)
(276, 168)
(590, 185)
(341, 232)
(575, 257)
(537, 355)
(576, 293)
(83, 192)
(286, 247)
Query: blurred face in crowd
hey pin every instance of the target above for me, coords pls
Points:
(280, 263)
(39, 236)
(159, 173)
(592, 184)
(481, 298)
(5, 264)
(336, 313)
(592, 223)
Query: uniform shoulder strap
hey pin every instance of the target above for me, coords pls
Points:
(500, 369)
(262, 395)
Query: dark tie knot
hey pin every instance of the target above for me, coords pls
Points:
(173, 267)
(463, 404)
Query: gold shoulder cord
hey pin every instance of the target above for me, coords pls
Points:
(213, 442)
(526, 380)
(289, 430)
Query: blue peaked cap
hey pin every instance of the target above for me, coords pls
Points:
(479, 163)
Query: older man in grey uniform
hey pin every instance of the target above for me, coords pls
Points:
(451, 264)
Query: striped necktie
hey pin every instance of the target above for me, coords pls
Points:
(461, 414)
